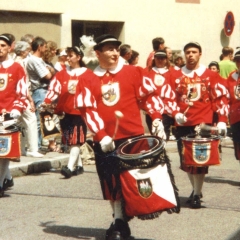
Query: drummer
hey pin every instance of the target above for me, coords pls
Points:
(117, 87)
(196, 88)
(233, 85)
(14, 92)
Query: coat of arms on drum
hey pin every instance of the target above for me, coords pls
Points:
(201, 152)
(145, 187)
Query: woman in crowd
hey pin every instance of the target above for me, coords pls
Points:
(62, 88)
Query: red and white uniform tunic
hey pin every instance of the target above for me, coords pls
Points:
(120, 89)
(13, 87)
(233, 85)
(199, 93)
(196, 90)
(62, 88)
(161, 78)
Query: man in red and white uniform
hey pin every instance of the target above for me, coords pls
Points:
(118, 87)
(13, 90)
(197, 90)
(233, 86)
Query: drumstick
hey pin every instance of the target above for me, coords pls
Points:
(205, 127)
(118, 115)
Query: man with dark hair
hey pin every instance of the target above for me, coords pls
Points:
(117, 87)
(157, 44)
(226, 65)
(39, 76)
(197, 89)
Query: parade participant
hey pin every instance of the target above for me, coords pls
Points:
(118, 87)
(196, 88)
(13, 89)
(62, 88)
(233, 85)
(157, 44)
(161, 77)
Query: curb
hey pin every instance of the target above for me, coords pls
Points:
(56, 161)
(37, 166)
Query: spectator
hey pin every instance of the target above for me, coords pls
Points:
(226, 65)
(39, 74)
(157, 44)
(62, 58)
(14, 94)
(28, 117)
(178, 62)
(134, 58)
(125, 53)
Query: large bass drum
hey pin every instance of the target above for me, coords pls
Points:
(201, 151)
(10, 144)
(147, 182)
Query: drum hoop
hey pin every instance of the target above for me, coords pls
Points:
(192, 138)
(150, 153)
(4, 131)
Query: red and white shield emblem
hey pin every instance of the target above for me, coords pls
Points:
(3, 81)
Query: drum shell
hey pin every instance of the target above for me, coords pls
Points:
(201, 151)
(10, 144)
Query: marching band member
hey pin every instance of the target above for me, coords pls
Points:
(13, 90)
(233, 85)
(118, 87)
(197, 90)
(62, 89)
(161, 77)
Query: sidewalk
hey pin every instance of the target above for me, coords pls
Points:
(54, 160)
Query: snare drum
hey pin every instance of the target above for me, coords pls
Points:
(147, 183)
(201, 151)
(10, 144)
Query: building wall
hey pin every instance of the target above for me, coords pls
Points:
(178, 22)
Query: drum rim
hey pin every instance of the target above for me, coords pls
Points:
(15, 129)
(154, 151)
(192, 138)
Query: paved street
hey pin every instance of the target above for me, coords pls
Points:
(47, 206)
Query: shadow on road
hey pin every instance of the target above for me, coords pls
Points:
(77, 232)
(221, 180)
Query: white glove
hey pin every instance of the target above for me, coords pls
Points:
(158, 129)
(180, 118)
(222, 128)
(15, 114)
(107, 144)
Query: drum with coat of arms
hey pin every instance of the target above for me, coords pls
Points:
(201, 151)
(10, 144)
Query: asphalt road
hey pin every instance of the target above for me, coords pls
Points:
(47, 206)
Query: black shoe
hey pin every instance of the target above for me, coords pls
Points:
(191, 196)
(196, 202)
(123, 228)
(78, 170)
(66, 172)
(1, 192)
(109, 232)
(7, 184)
(116, 236)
